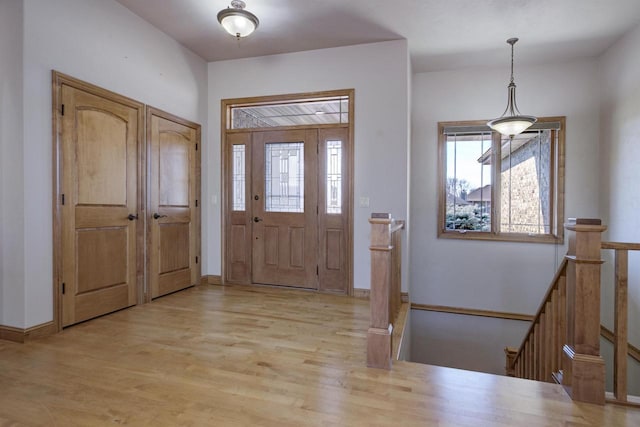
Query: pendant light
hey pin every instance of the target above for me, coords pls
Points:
(511, 122)
(237, 21)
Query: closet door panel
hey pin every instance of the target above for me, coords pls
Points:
(173, 214)
(100, 142)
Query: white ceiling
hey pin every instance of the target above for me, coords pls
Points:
(442, 34)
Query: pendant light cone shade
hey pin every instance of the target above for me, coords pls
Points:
(511, 122)
(237, 21)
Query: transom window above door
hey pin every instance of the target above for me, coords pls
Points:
(290, 112)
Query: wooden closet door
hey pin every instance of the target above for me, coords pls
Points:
(173, 214)
(99, 159)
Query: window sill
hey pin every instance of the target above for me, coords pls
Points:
(501, 237)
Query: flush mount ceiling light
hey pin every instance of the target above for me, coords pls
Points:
(511, 122)
(237, 21)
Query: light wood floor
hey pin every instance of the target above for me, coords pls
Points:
(214, 356)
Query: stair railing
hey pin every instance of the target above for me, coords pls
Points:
(619, 337)
(539, 356)
(563, 342)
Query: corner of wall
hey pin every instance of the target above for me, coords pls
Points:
(11, 165)
(619, 105)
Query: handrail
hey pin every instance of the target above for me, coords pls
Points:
(621, 246)
(385, 295)
(397, 226)
(609, 335)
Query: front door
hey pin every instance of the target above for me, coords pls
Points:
(100, 136)
(287, 195)
(284, 206)
(173, 203)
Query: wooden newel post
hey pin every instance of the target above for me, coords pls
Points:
(583, 372)
(380, 328)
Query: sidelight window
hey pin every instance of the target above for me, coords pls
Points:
(334, 177)
(239, 180)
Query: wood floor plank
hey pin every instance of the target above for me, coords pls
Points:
(247, 356)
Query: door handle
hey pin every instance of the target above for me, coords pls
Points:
(256, 219)
(156, 215)
(131, 217)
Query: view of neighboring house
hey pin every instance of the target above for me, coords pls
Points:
(525, 190)
(481, 198)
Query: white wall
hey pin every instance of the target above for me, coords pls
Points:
(11, 165)
(102, 42)
(620, 152)
(500, 276)
(464, 342)
(379, 74)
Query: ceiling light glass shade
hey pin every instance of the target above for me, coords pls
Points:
(237, 21)
(511, 126)
(511, 122)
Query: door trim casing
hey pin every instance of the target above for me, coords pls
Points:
(58, 80)
(225, 104)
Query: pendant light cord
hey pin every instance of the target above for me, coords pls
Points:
(512, 42)
(512, 61)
